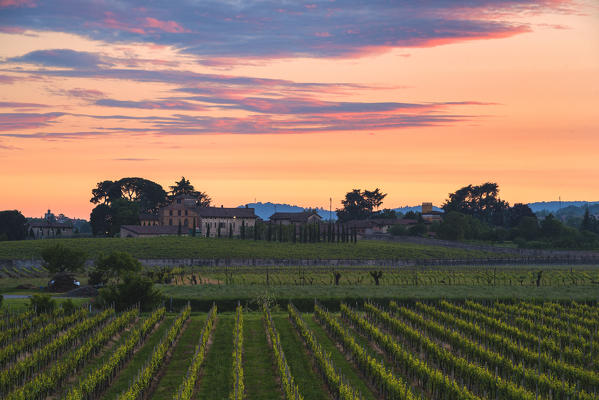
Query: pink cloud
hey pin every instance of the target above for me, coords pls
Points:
(7, 80)
(17, 3)
(111, 21)
(323, 34)
(11, 29)
(167, 26)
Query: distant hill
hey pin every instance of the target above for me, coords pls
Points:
(554, 206)
(576, 208)
(265, 210)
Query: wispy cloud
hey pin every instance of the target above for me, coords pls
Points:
(61, 58)
(19, 121)
(270, 29)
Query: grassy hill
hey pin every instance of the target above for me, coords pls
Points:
(190, 247)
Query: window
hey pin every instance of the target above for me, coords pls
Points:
(170, 221)
(179, 212)
(178, 201)
(185, 223)
(170, 212)
(185, 212)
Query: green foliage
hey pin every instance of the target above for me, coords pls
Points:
(480, 201)
(360, 204)
(68, 306)
(184, 187)
(113, 267)
(59, 258)
(132, 291)
(13, 225)
(42, 303)
(418, 229)
(528, 228)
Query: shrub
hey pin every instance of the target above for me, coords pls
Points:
(133, 290)
(68, 306)
(42, 303)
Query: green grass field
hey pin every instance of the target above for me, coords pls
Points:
(190, 247)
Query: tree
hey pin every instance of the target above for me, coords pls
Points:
(517, 212)
(101, 220)
(481, 202)
(132, 291)
(112, 268)
(385, 213)
(528, 228)
(589, 222)
(551, 227)
(123, 212)
(149, 195)
(184, 187)
(359, 204)
(61, 259)
(13, 225)
(453, 226)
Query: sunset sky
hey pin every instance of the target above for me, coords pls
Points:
(296, 101)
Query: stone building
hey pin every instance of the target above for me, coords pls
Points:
(184, 211)
(50, 229)
(302, 217)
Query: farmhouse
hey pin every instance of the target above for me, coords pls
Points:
(183, 215)
(288, 218)
(378, 225)
(50, 229)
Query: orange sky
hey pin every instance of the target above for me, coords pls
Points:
(520, 110)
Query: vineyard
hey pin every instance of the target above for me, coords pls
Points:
(396, 350)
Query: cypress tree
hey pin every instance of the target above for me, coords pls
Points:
(230, 231)
(318, 232)
(269, 232)
(218, 230)
(280, 231)
(193, 233)
(207, 229)
(243, 229)
(293, 233)
(256, 230)
(179, 229)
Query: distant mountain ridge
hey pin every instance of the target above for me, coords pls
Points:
(554, 206)
(265, 210)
